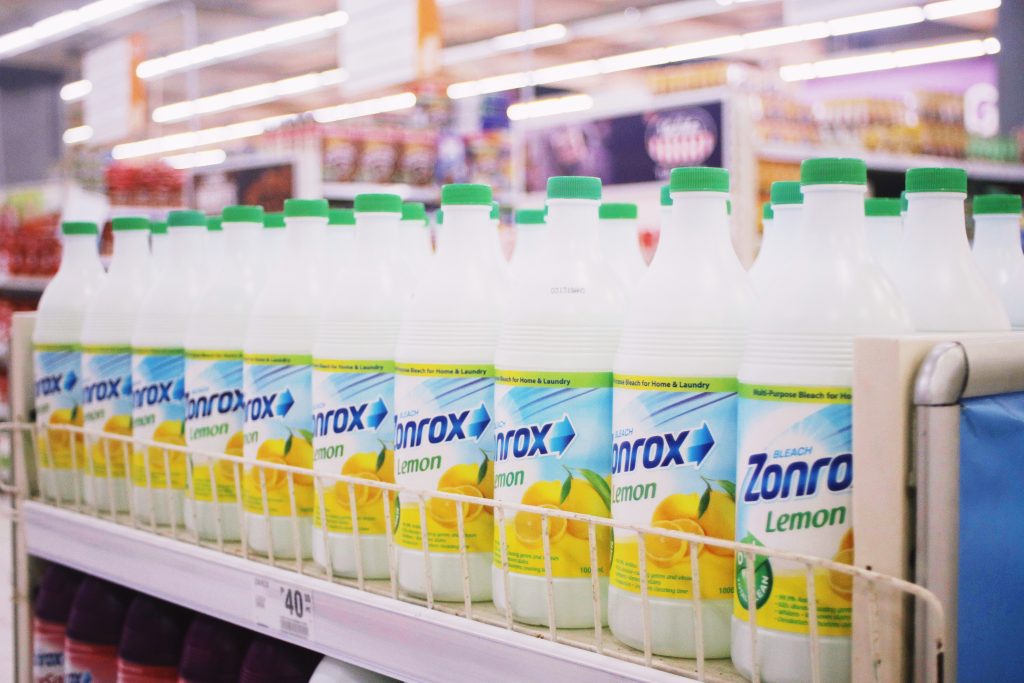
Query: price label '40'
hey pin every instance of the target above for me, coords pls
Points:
(282, 607)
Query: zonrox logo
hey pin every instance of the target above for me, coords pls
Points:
(350, 418)
(798, 479)
(671, 449)
(51, 384)
(221, 402)
(158, 392)
(443, 428)
(107, 389)
(536, 440)
(269, 405)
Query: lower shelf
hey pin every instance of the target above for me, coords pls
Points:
(401, 639)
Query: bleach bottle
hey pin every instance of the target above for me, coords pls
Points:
(997, 250)
(107, 364)
(884, 233)
(57, 358)
(621, 242)
(781, 236)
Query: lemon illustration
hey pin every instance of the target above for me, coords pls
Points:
(116, 424)
(370, 466)
(59, 440)
(528, 526)
(467, 479)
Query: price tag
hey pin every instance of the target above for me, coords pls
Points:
(282, 606)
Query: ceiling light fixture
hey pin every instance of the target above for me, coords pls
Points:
(786, 35)
(550, 106)
(246, 129)
(892, 59)
(239, 46)
(207, 157)
(75, 90)
(77, 135)
(67, 23)
(253, 94)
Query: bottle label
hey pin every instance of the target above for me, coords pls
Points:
(47, 652)
(795, 473)
(278, 429)
(553, 443)
(107, 407)
(58, 369)
(89, 663)
(444, 441)
(158, 414)
(674, 468)
(354, 435)
(214, 419)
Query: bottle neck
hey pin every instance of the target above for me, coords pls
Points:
(79, 252)
(572, 226)
(130, 247)
(618, 234)
(241, 238)
(699, 221)
(465, 233)
(935, 218)
(376, 234)
(997, 233)
(303, 235)
(186, 244)
(832, 219)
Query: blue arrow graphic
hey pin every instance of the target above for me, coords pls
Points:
(698, 444)
(376, 413)
(126, 386)
(479, 418)
(70, 380)
(283, 403)
(561, 435)
(178, 391)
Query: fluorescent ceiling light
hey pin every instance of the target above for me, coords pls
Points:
(378, 105)
(934, 11)
(207, 157)
(67, 23)
(893, 59)
(549, 107)
(509, 42)
(75, 90)
(243, 97)
(239, 46)
(76, 135)
(246, 129)
(714, 47)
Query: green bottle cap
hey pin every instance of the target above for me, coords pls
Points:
(378, 203)
(131, 223)
(213, 224)
(699, 179)
(341, 217)
(766, 211)
(466, 194)
(997, 204)
(530, 217)
(574, 187)
(305, 208)
(186, 219)
(937, 180)
(414, 211)
(617, 210)
(78, 228)
(495, 210)
(242, 214)
(273, 220)
(833, 171)
(666, 195)
(881, 206)
(786, 192)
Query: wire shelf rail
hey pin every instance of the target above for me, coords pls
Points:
(77, 484)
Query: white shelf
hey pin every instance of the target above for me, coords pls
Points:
(410, 193)
(883, 161)
(24, 283)
(397, 638)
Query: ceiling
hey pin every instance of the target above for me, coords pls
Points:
(463, 21)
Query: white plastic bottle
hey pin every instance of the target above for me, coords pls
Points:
(781, 237)
(215, 404)
(353, 392)
(674, 424)
(621, 242)
(795, 417)
(416, 231)
(498, 239)
(340, 241)
(107, 363)
(213, 253)
(884, 232)
(530, 240)
(278, 388)
(997, 250)
(58, 360)
(273, 239)
(939, 281)
(159, 246)
(158, 478)
(553, 375)
(444, 378)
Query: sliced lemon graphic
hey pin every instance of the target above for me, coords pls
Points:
(528, 526)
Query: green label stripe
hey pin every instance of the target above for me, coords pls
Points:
(799, 394)
(56, 347)
(555, 380)
(325, 365)
(210, 354)
(277, 359)
(688, 384)
(106, 349)
(441, 370)
(156, 351)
